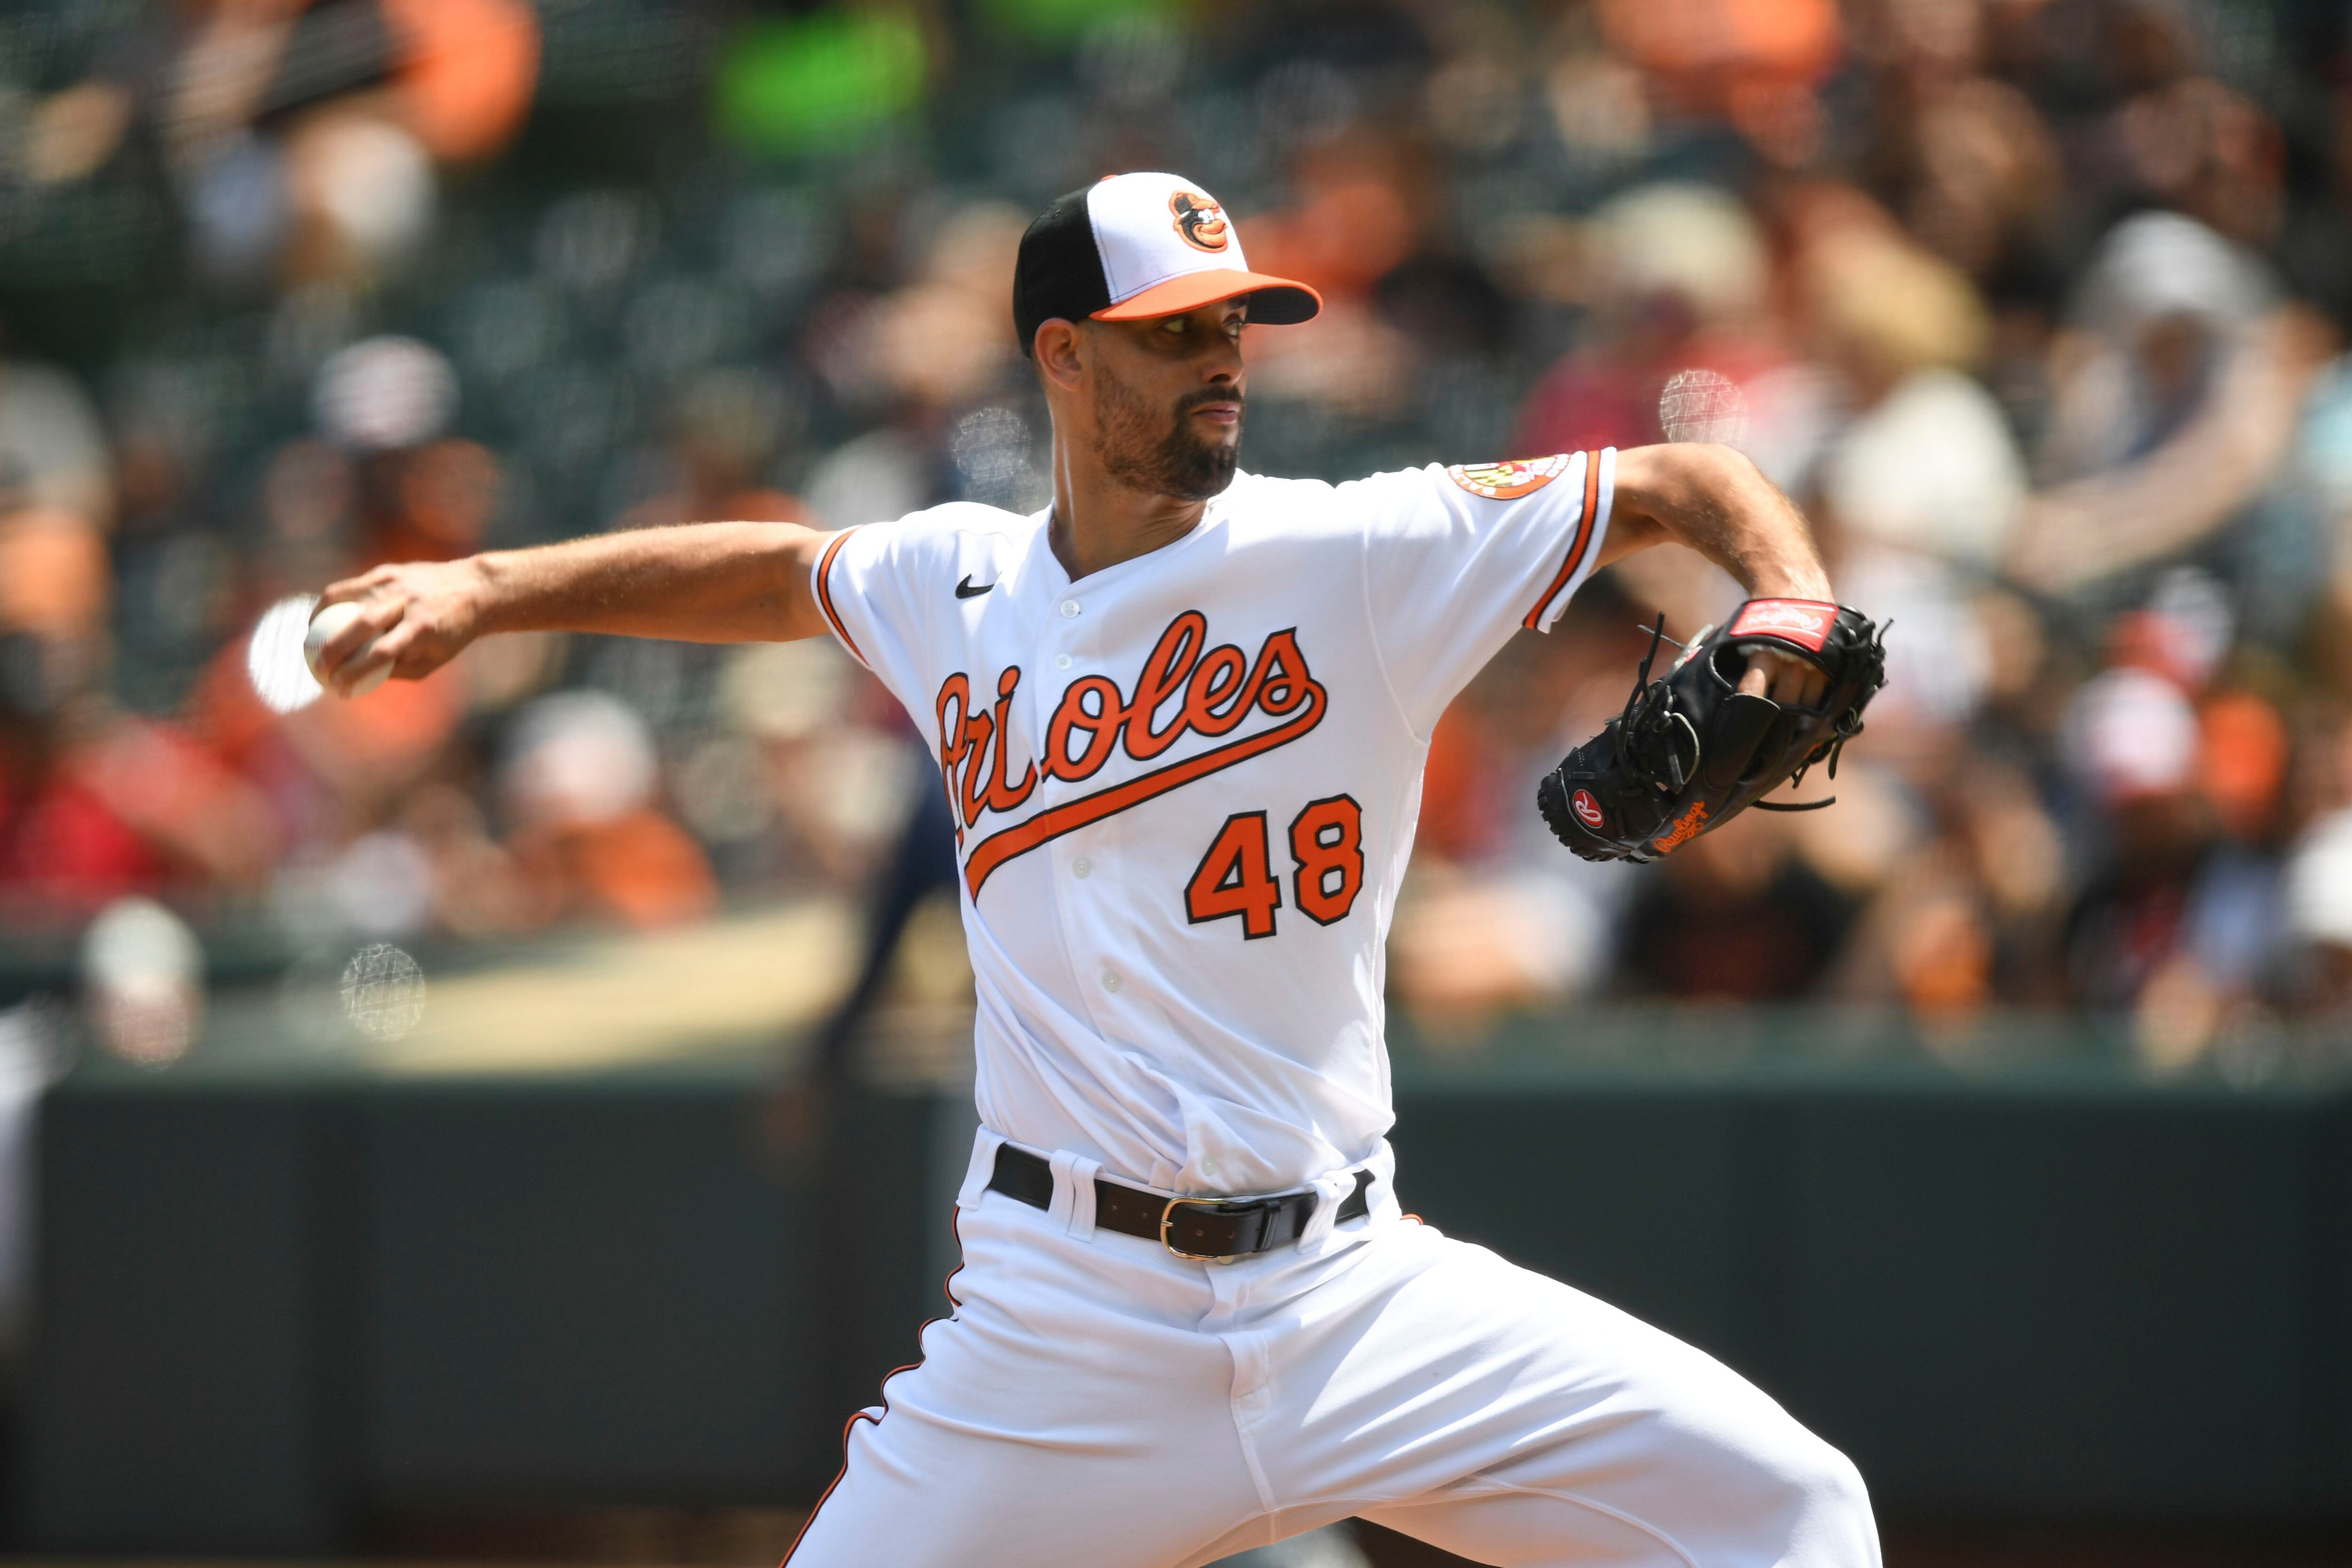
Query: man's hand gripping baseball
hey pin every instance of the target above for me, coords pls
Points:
(414, 618)
(716, 581)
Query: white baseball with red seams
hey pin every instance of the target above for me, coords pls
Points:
(1186, 788)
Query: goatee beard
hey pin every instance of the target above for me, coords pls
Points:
(1161, 459)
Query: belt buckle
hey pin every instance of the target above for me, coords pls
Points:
(1168, 1218)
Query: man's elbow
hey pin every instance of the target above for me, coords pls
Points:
(1688, 469)
(1669, 481)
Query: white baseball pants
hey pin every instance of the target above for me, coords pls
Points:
(1097, 1402)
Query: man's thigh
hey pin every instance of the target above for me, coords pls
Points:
(1513, 1420)
(1066, 1416)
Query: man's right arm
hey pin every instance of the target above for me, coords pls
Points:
(707, 581)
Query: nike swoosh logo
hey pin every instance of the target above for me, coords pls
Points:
(965, 590)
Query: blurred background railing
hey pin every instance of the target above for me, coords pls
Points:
(2035, 305)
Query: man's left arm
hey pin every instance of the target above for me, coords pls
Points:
(1718, 502)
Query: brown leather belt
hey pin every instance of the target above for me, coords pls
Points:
(1197, 1228)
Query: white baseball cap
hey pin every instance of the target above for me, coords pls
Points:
(1131, 247)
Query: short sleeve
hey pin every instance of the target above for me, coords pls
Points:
(860, 586)
(1457, 559)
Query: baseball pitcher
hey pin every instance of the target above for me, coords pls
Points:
(1179, 718)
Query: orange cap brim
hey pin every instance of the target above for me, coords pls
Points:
(1274, 301)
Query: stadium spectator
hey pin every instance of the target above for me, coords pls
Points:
(2037, 308)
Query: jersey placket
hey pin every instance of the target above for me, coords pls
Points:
(1075, 629)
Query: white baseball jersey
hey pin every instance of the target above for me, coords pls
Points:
(1186, 788)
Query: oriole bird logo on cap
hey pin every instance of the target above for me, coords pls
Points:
(1200, 221)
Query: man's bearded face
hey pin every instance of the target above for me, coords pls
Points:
(1161, 451)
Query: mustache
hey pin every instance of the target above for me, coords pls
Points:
(1208, 395)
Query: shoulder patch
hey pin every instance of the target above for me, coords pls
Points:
(1509, 480)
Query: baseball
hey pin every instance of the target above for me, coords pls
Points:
(324, 626)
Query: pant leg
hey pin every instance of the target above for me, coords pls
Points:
(1067, 1415)
(1514, 1421)
(1793, 1508)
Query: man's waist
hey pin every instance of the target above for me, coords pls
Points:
(1191, 1226)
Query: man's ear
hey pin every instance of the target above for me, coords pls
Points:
(1061, 349)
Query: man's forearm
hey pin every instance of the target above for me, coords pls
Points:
(709, 582)
(1712, 499)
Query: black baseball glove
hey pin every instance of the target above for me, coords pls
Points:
(1692, 749)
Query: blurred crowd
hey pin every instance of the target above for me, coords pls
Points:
(2037, 307)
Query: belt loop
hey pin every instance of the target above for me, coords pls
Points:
(1381, 1194)
(1083, 1173)
(1331, 1189)
(1074, 1192)
(984, 1145)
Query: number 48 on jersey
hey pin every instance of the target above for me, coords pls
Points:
(1236, 879)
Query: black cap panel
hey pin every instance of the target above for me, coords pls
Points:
(1059, 273)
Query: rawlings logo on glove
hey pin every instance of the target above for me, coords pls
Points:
(1791, 619)
(1692, 751)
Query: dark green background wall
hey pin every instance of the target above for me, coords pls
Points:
(270, 1311)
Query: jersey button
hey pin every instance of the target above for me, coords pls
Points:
(1081, 867)
(1110, 980)
(1069, 609)
(1061, 661)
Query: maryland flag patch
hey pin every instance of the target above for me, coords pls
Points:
(1510, 479)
